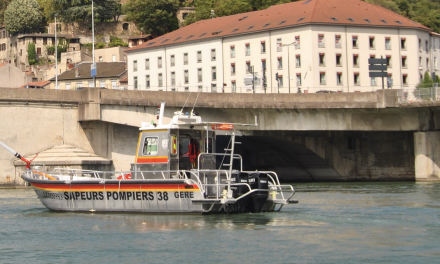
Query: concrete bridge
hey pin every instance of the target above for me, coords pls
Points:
(303, 137)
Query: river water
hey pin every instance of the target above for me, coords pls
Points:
(333, 223)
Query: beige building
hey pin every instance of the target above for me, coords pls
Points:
(108, 75)
(14, 48)
(311, 45)
(13, 77)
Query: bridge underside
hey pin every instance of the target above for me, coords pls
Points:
(329, 155)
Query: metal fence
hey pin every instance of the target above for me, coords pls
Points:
(419, 94)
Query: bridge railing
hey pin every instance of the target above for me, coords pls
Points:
(418, 94)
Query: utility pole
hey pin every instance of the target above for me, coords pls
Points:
(288, 60)
(56, 55)
(93, 69)
(264, 80)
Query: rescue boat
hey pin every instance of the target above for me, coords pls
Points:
(176, 170)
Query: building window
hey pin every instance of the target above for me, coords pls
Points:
(338, 59)
(403, 43)
(38, 51)
(186, 89)
(159, 62)
(173, 60)
(213, 55)
(373, 81)
(185, 76)
(248, 49)
(337, 41)
(213, 87)
(147, 64)
(420, 62)
(321, 41)
(44, 41)
(279, 45)
(298, 79)
(248, 66)
(91, 84)
(199, 75)
(355, 41)
(404, 65)
(102, 84)
(234, 87)
(199, 56)
(405, 79)
(356, 78)
(297, 40)
(232, 68)
(263, 47)
(135, 83)
(435, 63)
(147, 81)
(263, 65)
(339, 78)
(173, 78)
(113, 58)
(232, 51)
(34, 40)
(389, 65)
(160, 80)
(387, 43)
(355, 60)
(298, 60)
(321, 59)
(427, 63)
(135, 65)
(322, 78)
(214, 73)
(372, 44)
(280, 63)
(185, 58)
(67, 86)
(426, 45)
(200, 88)
(280, 81)
(420, 45)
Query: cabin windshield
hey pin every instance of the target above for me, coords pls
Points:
(150, 146)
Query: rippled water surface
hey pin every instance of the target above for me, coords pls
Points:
(333, 223)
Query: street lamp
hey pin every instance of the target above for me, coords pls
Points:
(56, 54)
(288, 60)
(93, 73)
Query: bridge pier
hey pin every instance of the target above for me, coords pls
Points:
(427, 158)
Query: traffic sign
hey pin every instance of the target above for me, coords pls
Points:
(378, 74)
(377, 67)
(377, 61)
(93, 70)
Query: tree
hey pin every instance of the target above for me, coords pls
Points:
(32, 55)
(23, 16)
(423, 89)
(81, 10)
(3, 5)
(157, 17)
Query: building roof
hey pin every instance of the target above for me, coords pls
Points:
(146, 37)
(103, 70)
(125, 80)
(3, 64)
(38, 84)
(320, 12)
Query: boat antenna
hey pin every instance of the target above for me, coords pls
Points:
(192, 110)
(181, 111)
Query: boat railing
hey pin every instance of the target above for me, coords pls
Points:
(235, 156)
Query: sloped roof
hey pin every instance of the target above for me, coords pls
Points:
(328, 12)
(36, 84)
(3, 64)
(103, 70)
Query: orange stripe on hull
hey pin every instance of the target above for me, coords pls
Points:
(163, 159)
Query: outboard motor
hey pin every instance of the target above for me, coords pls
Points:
(258, 180)
(242, 205)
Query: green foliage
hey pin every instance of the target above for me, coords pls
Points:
(81, 10)
(423, 89)
(157, 17)
(3, 5)
(99, 45)
(117, 42)
(32, 54)
(23, 16)
(62, 46)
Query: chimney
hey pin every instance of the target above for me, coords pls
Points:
(76, 72)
